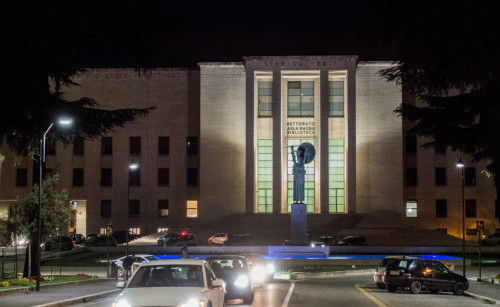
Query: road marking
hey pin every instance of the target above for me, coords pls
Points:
(289, 294)
(368, 295)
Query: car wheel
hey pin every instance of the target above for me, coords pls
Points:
(391, 288)
(380, 285)
(249, 299)
(459, 288)
(415, 287)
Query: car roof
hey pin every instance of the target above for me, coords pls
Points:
(226, 257)
(175, 262)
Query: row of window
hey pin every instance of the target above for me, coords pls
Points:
(107, 177)
(442, 208)
(134, 146)
(134, 208)
(440, 176)
(300, 98)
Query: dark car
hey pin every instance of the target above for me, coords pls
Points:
(235, 271)
(419, 274)
(389, 262)
(182, 239)
(493, 239)
(162, 240)
(325, 241)
(58, 243)
(121, 236)
(100, 241)
(352, 241)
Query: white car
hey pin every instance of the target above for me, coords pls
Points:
(139, 259)
(176, 282)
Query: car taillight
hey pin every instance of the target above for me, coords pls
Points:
(407, 275)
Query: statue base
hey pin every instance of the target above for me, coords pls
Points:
(298, 225)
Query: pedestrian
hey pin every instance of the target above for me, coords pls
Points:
(127, 265)
(184, 252)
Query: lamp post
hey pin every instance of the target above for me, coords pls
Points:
(131, 167)
(461, 165)
(62, 122)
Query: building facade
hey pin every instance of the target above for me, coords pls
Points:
(219, 142)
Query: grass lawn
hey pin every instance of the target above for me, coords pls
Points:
(82, 258)
(10, 283)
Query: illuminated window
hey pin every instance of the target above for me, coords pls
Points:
(265, 176)
(265, 98)
(135, 230)
(161, 229)
(336, 98)
(411, 208)
(301, 98)
(309, 180)
(192, 208)
(336, 179)
(163, 207)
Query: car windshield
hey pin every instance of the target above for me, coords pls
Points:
(227, 265)
(168, 276)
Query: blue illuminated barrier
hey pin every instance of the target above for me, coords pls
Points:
(298, 251)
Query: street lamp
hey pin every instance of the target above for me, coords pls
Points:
(131, 167)
(461, 165)
(62, 122)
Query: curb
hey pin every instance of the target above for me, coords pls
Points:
(55, 285)
(489, 280)
(80, 299)
(482, 298)
(323, 275)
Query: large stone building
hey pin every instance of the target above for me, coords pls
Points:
(218, 143)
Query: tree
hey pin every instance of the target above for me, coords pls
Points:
(55, 213)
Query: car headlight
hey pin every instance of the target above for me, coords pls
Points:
(121, 303)
(270, 268)
(193, 303)
(258, 273)
(242, 281)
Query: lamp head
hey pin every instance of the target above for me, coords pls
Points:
(65, 121)
(460, 164)
(133, 166)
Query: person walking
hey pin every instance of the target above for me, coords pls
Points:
(127, 265)
(184, 252)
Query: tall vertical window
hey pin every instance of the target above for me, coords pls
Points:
(107, 145)
(78, 146)
(163, 145)
(192, 177)
(411, 176)
(135, 145)
(470, 208)
(301, 98)
(162, 207)
(336, 98)
(78, 177)
(192, 208)
(411, 208)
(106, 177)
(105, 208)
(411, 144)
(163, 177)
(134, 207)
(470, 176)
(440, 176)
(265, 176)
(441, 210)
(22, 177)
(135, 177)
(265, 98)
(309, 178)
(192, 146)
(336, 178)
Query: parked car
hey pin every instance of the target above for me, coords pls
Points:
(218, 239)
(325, 241)
(57, 243)
(100, 241)
(77, 238)
(139, 259)
(236, 273)
(389, 262)
(121, 236)
(182, 239)
(352, 241)
(419, 274)
(161, 241)
(179, 282)
(493, 239)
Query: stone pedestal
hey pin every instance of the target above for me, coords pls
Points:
(298, 225)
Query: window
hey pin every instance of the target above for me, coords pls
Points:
(192, 177)
(105, 208)
(301, 98)
(336, 179)
(441, 208)
(107, 145)
(471, 231)
(336, 98)
(411, 176)
(192, 208)
(78, 146)
(106, 177)
(265, 176)
(163, 145)
(470, 208)
(265, 98)
(411, 144)
(192, 146)
(134, 207)
(470, 176)
(163, 177)
(135, 145)
(22, 177)
(163, 207)
(440, 175)
(411, 208)
(78, 177)
(440, 148)
(160, 229)
(135, 177)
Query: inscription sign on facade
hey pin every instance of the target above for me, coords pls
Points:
(302, 127)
